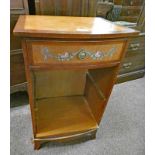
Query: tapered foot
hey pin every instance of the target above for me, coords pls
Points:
(37, 145)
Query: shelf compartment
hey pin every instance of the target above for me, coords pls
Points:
(56, 83)
(63, 116)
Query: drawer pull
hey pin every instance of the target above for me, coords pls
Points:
(81, 54)
(131, 3)
(127, 65)
(135, 46)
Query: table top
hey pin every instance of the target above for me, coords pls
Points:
(69, 27)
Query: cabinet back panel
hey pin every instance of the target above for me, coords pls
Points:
(59, 83)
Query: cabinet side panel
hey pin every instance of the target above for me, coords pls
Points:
(30, 80)
(104, 80)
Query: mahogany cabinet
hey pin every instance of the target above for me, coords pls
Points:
(17, 69)
(133, 64)
(71, 70)
(130, 13)
(130, 10)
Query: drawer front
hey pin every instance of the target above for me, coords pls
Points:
(17, 69)
(130, 11)
(128, 18)
(15, 42)
(43, 53)
(118, 2)
(133, 2)
(103, 8)
(16, 4)
(137, 43)
(134, 60)
(19, 6)
(129, 2)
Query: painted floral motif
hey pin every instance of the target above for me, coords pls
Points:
(81, 54)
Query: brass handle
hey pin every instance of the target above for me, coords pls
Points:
(128, 12)
(131, 3)
(135, 45)
(135, 48)
(127, 65)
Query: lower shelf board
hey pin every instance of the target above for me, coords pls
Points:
(63, 116)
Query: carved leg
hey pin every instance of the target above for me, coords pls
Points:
(37, 145)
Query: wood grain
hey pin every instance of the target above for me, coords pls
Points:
(130, 76)
(66, 7)
(59, 83)
(103, 79)
(133, 2)
(62, 27)
(15, 42)
(16, 4)
(59, 114)
(17, 69)
(134, 60)
(30, 81)
(60, 48)
(63, 116)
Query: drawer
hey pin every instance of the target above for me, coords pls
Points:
(15, 42)
(51, 52)
(132, 65)
(132, 19)
(17, 69)
(103, 8)
(130, 76)
(16, 4)
(137, 43)
(133, 61)
(19, 6)
(130, 11)
(118, 2)
(133, 2)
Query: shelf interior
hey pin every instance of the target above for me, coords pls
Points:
(70, 102)
(60, 116)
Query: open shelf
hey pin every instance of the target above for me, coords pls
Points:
(61, 116)
(70, 103)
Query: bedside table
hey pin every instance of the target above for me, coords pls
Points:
(71, 66)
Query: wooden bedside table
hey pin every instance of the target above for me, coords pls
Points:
(71, 66)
